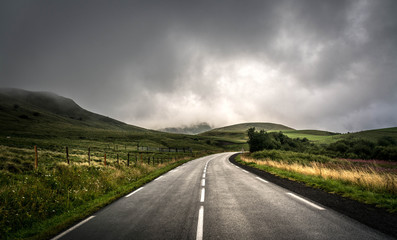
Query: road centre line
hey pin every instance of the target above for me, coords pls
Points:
(200, 224)
(139, 189)
(72, 228)
(261, 179)
(306, 201)
(203, 182)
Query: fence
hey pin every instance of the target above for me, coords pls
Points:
(143, 154)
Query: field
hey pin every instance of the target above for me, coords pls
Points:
(39, 202)
(372, 182)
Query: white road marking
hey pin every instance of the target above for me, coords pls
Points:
(245, 171)
(139, 189)
(202, 195)
(158, 178)
(200, 224)
(305, 201)
(203, 175)
(72, 228)
(263, 180)
(203, 182)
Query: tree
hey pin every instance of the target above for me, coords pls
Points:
(255, 140)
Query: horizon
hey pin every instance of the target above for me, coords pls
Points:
(307, 65)
(192, 125)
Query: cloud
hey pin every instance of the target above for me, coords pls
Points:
(307, 64)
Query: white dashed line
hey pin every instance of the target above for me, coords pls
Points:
(202, 195)
(200, 224)
(72, 228)
(245, 171)
(305, 201)
(139, 189)
(203, 182)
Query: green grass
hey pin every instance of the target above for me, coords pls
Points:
(315, 136)
(39, 203)
(380, 198)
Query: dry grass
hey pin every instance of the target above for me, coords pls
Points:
(367, 178)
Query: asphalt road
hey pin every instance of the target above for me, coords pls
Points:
(210, 198)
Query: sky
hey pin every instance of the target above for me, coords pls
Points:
(307, 64)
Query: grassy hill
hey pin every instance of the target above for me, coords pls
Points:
(46, 119)
(238, 132)
(25, 111)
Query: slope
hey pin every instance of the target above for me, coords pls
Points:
(43, 112)
(238, 132)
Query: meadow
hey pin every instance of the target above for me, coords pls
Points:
(37, 203)
(371, 182)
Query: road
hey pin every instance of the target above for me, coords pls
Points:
(211, 198)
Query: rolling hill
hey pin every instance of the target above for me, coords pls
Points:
(243, 127)
(238, 132)
(28, 118)
(24, 111)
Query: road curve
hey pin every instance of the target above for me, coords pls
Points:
(210, 198)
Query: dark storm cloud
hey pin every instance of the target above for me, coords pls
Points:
(325, 64)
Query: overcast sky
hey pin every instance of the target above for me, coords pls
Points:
(328, 65)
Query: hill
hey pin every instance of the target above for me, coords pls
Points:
(25, 111)
(243, 127)
(238, 132)
(192, 129)
(46, 119)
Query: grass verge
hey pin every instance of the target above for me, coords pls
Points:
(40, 204)
(381, 197)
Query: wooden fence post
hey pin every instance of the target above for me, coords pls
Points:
(67, 155)
(36, 159)
(104, 162)
(118, 162)
(128, 159)
(89, 157)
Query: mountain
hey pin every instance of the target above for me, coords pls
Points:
(192, 129)
(24, 111)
